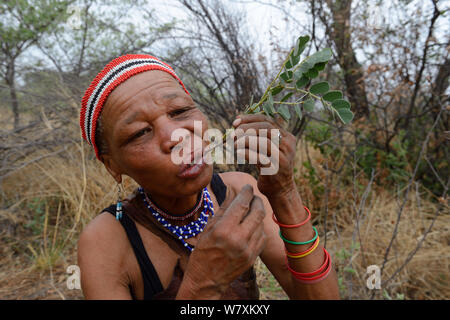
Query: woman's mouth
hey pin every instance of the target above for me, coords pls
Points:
(194, 168)
(191, 170)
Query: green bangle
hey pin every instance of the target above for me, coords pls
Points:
(294, 242)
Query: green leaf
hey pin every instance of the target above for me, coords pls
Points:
(316, 61)
(284, 112)
(293, 60)
(312, 73)
(320, 66)
(267, 110)
(304, 67)
(332, 95)
(340, 104)
(276, 90)
(287, 75)
(272, 109)
(301, 82)
(298, 111)
(321, 56)
(300, 45)
(309, 105)
(319, 87)
(345, 114)
(288, 64)
(269, 99)
(287, 96)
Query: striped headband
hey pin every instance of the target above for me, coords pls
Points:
(114, 73)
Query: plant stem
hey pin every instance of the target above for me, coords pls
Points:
(312, 95)
(271, 84)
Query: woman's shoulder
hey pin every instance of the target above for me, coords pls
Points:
(100, 234)
(237, 179)
(104, 258)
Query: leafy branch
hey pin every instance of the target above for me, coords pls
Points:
(294, 77)
(299, 75)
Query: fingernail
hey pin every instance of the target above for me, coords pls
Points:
(237, 122)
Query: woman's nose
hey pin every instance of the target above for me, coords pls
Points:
(172, 134)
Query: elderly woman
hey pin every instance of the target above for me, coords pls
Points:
(188, 232)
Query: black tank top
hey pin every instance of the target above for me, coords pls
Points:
(152, 283)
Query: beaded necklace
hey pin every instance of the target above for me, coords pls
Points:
(187, 231)
(169, 216)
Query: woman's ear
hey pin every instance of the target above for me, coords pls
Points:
(112, 167)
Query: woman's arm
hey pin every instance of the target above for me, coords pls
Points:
(101, 258)
(289, 210)
(283, 199)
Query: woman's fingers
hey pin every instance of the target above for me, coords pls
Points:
(270, 137)
(229, 197)
(256, 152)
(257, 242)
(261, 125)
(247, 118)
(257, 128)
(255, 217)
(239, 207)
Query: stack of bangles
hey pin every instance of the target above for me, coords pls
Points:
(311, 277)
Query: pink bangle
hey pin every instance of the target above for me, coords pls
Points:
(292, 225)
(311, 276)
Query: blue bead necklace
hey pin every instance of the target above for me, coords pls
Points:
(187, 231)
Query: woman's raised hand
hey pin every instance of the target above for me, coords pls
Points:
(281, 153)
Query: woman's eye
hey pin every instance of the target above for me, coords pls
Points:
(141, 133)
(179, 111)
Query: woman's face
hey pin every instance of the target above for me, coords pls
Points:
(139, 117)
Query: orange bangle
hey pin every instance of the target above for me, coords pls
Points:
(304, 253)
(292, 225)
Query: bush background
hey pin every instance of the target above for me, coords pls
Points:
(377, 188)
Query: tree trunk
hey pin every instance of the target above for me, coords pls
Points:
(418, 79)
(10, 74)
(354, 74)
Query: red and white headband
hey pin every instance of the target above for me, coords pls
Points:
(115, 72)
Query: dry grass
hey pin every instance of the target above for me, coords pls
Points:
(50, 201)
(424, 277)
